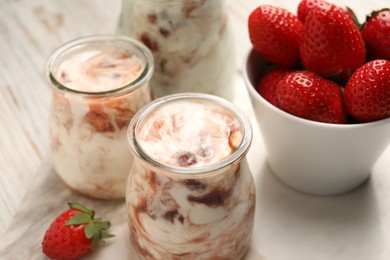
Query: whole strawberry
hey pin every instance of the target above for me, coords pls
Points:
(269, 83)
(274, 33)
(307, 95)
(367, 93)
(74, 233)
(376, 35)
(305, 6)
(332, 45)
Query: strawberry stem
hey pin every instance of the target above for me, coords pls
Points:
(355, 19)
(94, 229)
(78, 219)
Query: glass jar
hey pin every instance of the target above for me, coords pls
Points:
(191, 41)
(98, 83)
(188, 198)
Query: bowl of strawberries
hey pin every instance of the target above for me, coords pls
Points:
(319, 84)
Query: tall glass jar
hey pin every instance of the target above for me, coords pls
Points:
(190, 192)
(191, 41)
(98, 84)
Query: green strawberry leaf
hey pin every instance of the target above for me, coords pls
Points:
(107, 235)
(104, 225)
(78, 219)
(94, 228)
(91, 230)
(78, 206)
(96, 238)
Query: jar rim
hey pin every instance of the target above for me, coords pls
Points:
(145, 75)
(237, 155)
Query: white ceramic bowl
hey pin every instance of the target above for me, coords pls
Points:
(313, 157)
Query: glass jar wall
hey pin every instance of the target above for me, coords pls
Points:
(191, 41)
(190, 192)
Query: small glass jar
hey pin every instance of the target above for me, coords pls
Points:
(187, 198)
(98, 83)
(191, 41)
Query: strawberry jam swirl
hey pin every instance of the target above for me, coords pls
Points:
(198, 201)
(99, 70)
(190, 134)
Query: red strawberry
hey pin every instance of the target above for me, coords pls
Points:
(269, 83)
(367, 93)
(307, 95)
(74, 233)
(274, 33)
(332, 45)
(376, 35)
(305, 6)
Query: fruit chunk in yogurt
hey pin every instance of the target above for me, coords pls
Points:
(196, 202)
(94, 99)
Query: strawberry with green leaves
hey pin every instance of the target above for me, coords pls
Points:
(376, 35)
(74, 233)
(331, 45)
(274, 33)
(367, 93)
(309, 96)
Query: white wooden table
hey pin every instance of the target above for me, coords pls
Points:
(29, 31)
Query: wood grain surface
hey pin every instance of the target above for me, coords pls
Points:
(29, 32)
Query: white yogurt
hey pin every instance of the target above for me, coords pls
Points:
(190, 134)
(99, 69)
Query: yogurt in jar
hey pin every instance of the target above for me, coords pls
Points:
(190, 193)
(99, 83)
(191, 41)
(190, 134)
